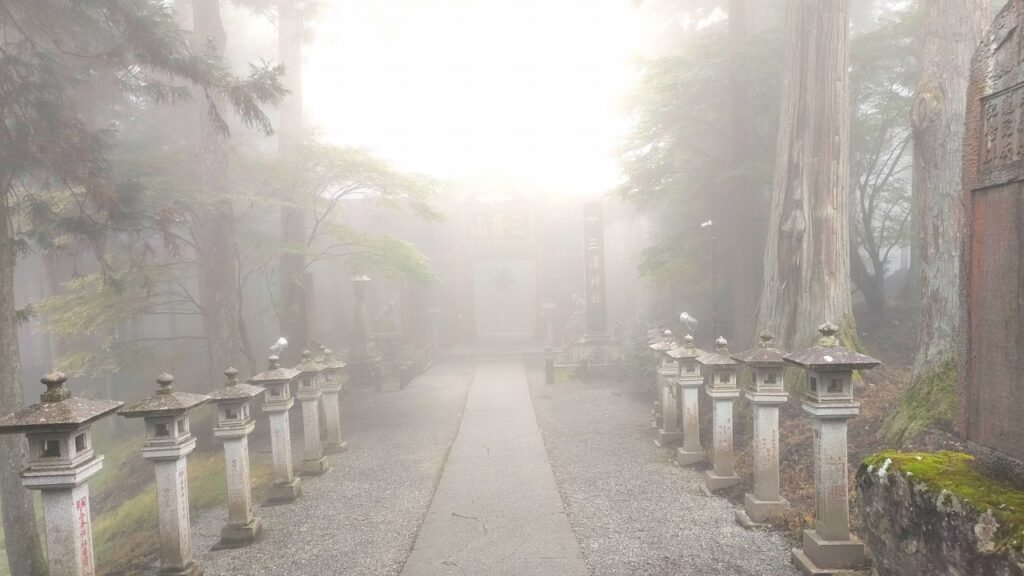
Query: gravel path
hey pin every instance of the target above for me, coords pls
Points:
(633, 511)
(361, 518)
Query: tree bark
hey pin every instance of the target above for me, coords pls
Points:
(215, 227)
(807, 258)
(952, 31)
(294, 306)
(739, 208)
(21, 535)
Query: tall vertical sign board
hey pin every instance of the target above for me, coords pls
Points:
(991, 329)
(594, 289)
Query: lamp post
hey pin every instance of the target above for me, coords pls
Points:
(60, 463)
(710, 225)
(277, 401)
(169, 441)
(767, 393)
(234, 424)
(829, 547)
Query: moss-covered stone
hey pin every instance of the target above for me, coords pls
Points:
(928, 514)
(930, 399)
(953, 474)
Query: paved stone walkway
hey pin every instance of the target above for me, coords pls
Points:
(497, 510)
(590, 496)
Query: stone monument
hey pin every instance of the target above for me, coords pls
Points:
(990, 375)
(277, 401)
(829, 547)
(169, 441)
(234, 424)
(721, 374)
(363, 364)
(690, 383)
(332, 385)
(668, 370)
(597, 351)
(309, 377)
(60, 463)
(766, 393)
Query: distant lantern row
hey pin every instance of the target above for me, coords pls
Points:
(683, 370)
(61, 459)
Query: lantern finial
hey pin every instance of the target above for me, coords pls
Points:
(232, 374)
(828, 332)
(165, 380)
(55, 391)
(766, 339)
(721, 344)
(274, 361)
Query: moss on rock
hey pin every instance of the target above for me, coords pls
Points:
(929, 399)
(952, 473)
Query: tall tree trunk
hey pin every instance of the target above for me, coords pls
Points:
(21, 536)
(739, 209)
(952, 31)
(215, 228)
(294, 306)
(807, 258)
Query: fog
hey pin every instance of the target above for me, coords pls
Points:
(562, 287)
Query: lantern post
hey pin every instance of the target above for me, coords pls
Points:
(829, 547)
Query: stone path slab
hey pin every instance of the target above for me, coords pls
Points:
(497, 510)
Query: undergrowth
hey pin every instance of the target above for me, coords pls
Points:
(930, 399)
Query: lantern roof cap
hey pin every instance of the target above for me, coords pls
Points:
(274, 373)
(329, 361)
(829, 355)
(720, 357)
(58, 409)
(164, 401)
(308, 365)
(666, 343)
(687, 350)
(235, 390)
(765, 353)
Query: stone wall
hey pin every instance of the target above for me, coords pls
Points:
(917, 525)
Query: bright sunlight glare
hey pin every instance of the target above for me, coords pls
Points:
(530, 90)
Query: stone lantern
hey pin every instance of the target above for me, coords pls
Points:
(830, 547)
(668, 432)
(60, 463)
(277, 400)
(547, 310)
(332, 385)
(169, 441)
(308, 390)
(658, 341)
(434, 313)
(766, 393)
(234, 424)
(690, 382)
(721, 373)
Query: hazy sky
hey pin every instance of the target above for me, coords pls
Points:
(530, 89)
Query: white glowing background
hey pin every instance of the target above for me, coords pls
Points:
(526, 89)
